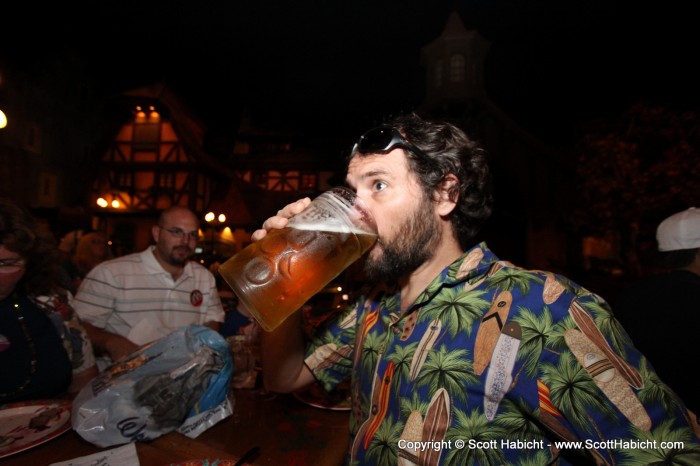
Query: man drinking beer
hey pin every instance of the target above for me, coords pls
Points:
(449, 344)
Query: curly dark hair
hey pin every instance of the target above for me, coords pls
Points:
(22, 233)
(450, 150)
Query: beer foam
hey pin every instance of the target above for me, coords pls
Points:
(330, 227)
(327, 213)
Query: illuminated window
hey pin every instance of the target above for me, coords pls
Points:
(146, 136)
(124, 180)
(308, 180)
(167, 180)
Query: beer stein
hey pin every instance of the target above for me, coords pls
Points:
(275, 276)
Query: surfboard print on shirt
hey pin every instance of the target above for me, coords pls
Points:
(607, 378)
(553, 288)
(433, 429)
(437, 420)
(427, 342)
(471, 262)
(500, 374)
(378, 409)
(490, 329)
(382, 405)
(587, 325)
(411, 433)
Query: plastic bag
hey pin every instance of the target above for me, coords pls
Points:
(178, 382)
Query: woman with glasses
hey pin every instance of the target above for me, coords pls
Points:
(44, 350)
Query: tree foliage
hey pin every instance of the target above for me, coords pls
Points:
(636, 168)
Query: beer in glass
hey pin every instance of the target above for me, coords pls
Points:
(275, 276)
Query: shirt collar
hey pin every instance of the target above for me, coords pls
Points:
(470, 267)
(152, 265)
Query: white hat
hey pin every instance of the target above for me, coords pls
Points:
(680, 231)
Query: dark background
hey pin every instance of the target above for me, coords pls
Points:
(326, 65)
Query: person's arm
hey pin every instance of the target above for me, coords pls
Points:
(214, 310)
(213, 325)
(282, 353)
(95, 303)
(80, 379)
(282, 350)
(116, 346)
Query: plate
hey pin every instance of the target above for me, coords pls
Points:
(319, 398)
(206, 462)
(30, 423)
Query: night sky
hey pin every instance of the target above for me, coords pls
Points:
(345, 64)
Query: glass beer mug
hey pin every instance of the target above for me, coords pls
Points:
(275, 276)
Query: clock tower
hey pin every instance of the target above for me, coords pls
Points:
(454, 64)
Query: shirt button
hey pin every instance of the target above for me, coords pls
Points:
(396, 330)
(375, 408)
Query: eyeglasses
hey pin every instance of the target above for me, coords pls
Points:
(179, 233)
(383, 139)
(11, 265)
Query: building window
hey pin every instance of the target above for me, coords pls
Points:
(124, 181)
(167, 181)
(308, 181)
(437, 73)
(32, 139)
(457, 68)
(146, 136)
(260, 179)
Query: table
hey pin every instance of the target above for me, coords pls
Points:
(287, 431)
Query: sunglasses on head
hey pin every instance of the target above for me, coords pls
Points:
(383, 139)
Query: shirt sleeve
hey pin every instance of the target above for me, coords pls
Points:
(215, 309)
(595, 386)
(94, 301)
(329, 352)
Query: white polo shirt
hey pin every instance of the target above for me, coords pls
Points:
(135, 297)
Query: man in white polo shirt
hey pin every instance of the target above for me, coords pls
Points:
(135, 299)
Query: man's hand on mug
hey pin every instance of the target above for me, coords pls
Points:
(280, 220)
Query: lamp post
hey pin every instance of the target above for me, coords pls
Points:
(213, 220)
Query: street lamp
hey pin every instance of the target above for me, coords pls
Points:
(213, 220)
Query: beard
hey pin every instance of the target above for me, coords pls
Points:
(179, 255)
(412, 245)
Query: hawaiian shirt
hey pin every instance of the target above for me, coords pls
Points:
(497, 365)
